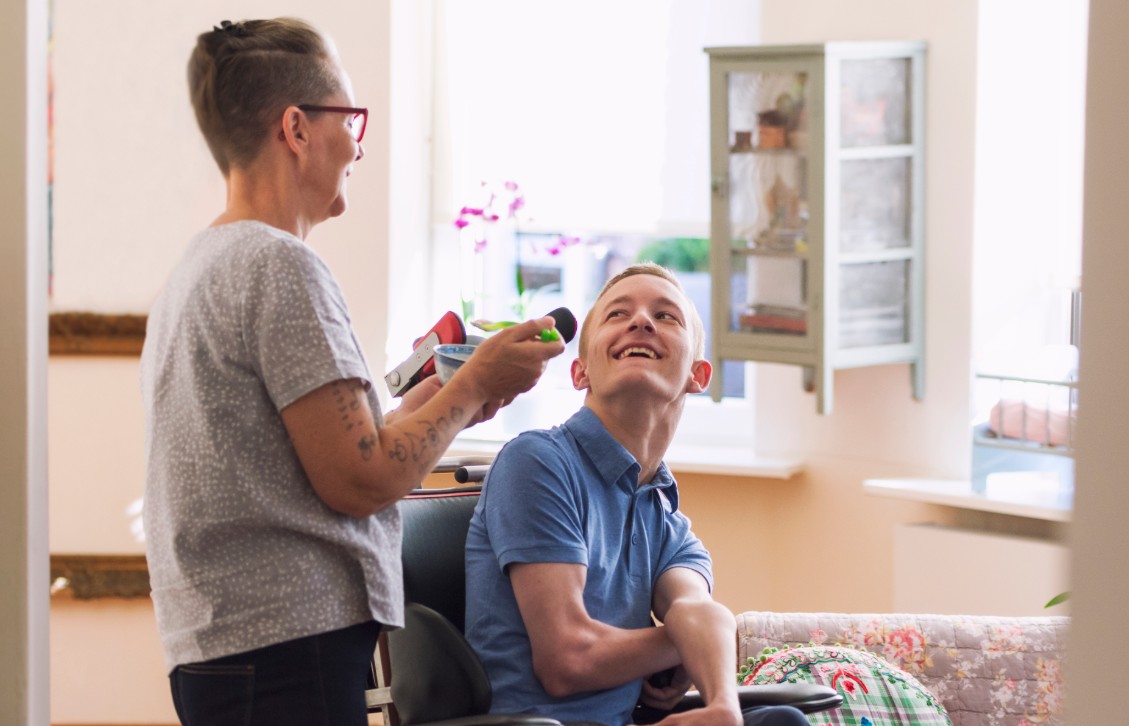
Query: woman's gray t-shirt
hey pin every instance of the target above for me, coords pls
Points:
(242, 553)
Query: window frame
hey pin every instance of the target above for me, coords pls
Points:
(429, 211)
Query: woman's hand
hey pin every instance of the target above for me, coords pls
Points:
(511, 361)
(487, 412)
(416, 396)
(506, 364)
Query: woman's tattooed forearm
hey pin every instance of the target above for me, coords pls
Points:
(415, 447)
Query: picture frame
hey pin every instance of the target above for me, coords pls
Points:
(86, 333)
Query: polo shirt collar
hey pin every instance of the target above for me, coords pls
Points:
(611, 460)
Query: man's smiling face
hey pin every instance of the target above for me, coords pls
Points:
(641, 340)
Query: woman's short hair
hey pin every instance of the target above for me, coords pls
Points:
(649, 268)
(241, 76)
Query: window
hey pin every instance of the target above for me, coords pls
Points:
(1027, 261)
(1029, 142)
(598, 112)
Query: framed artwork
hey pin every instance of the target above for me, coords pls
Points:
(95, 334)
(86, 577)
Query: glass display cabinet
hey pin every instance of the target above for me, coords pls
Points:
(816, 159)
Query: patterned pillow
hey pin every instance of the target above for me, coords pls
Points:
(875, 693)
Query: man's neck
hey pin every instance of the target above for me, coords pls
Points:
(643, 428)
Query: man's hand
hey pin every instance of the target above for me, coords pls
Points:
(666, 697)
(704, 633)
(713, 715)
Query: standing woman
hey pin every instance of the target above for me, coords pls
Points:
(271, 474)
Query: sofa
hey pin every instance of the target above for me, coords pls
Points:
(985, 671)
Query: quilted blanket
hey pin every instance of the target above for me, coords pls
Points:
(986, 671)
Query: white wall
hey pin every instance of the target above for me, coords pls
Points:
(107, 666)
(1100, 537)
(134, 179)
(23, 477)
(96, 455)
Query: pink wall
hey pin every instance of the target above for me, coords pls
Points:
(106, 663)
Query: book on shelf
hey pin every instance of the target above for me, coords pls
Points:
(774, 319)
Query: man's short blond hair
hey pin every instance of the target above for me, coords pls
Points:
(650, 268)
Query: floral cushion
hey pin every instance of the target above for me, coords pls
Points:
(985, 670)
(875, 693)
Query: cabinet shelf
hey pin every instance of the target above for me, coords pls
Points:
(758, 252)
(1029, 430)
(770, 150)
(1030, 447)
(877, 152)
(816, 160)
(891, 254)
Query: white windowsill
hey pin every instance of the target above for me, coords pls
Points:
(1032, 502)
(719, 460)
(730, 461)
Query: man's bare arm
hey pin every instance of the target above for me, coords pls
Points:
(571, 651)
(704, 633)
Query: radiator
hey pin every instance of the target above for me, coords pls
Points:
(954, 571)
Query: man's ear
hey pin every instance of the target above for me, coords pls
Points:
(579, 374)
(700, 374)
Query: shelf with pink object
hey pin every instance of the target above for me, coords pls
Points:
(1027, 436)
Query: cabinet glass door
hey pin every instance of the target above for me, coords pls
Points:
(874, 102)
(875, 236)
(768, 203)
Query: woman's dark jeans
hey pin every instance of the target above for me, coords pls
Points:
(314, 681)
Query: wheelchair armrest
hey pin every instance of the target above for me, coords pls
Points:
(808, 697)
(497, 719)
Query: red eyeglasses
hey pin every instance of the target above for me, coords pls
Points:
(357, 123)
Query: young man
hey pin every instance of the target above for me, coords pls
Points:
(578, 538)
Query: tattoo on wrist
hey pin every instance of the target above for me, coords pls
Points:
(398, 452)
(417, 446)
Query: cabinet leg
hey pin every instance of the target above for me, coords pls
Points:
(821, 380)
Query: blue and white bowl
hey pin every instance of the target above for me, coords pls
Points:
(449, 357)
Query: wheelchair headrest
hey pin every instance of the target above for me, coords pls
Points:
(435, 528)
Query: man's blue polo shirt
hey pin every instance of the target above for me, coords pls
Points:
(570, 495)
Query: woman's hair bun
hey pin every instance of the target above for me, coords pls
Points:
(236, 29)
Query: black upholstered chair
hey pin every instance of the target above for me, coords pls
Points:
(426, 673)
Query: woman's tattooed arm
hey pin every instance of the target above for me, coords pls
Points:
(416, 446)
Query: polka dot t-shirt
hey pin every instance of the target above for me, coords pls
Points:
(242, 553)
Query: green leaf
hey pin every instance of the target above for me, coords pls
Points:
(683, 254)
(1057, 599)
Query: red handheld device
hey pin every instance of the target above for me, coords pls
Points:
(421, 363)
